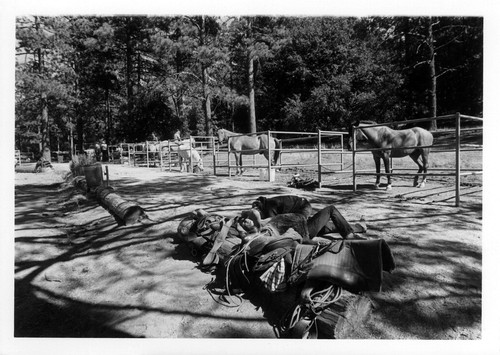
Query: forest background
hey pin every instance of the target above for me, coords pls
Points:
(85, 79)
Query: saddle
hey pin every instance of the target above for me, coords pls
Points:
(355, 265)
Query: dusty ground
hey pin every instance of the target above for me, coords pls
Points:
(79, 274)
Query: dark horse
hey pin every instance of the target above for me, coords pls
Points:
(403, 142)
(252, 144)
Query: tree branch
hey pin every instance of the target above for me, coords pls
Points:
(447, 43)
(445, 71)
(420, 63)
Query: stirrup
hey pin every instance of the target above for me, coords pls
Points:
(305, 329)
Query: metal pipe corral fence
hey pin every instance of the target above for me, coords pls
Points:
(457, 171)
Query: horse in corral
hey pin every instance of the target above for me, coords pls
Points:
(249, 145)
(184, 144)
(153, 149)
(186, 153)
(188, 156)
(413, 142)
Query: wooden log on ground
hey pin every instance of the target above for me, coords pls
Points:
(126, 211)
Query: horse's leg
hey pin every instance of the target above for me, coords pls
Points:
(414, 156)
(237, 158)
(425, 163)
(387, 165)
(241, 164)
(376, 158)
(181, 163)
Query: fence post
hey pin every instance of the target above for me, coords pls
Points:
(269, 157)
(354, 158)
(341, 152)
(228, 160)
(160, 155)
(169, 157)
(457, 160)
(191, 155)
(319, 157)
(213, 152)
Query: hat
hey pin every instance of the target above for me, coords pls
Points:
(259, 203)
(254, 216)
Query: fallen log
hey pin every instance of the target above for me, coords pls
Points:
(125, 211)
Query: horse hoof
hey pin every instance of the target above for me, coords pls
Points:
(422, 184)
(377, 186)
(388, 188)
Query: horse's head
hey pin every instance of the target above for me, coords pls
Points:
(355, 129)
(221, 135)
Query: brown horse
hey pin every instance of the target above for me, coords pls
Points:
(414, 142)
(249, 145)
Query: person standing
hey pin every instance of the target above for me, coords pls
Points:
(177, 137)
(104, 151)
(97, 151)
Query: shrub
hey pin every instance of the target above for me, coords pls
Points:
(78, 162)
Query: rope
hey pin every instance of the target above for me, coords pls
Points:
(322, 299)
(308, 309)
(222, 297)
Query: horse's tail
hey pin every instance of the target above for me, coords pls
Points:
(277, 151)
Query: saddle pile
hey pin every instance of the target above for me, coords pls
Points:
(274, 265)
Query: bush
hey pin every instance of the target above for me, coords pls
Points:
(78, 162)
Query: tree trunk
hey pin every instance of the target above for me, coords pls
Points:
(79, 132)
(408, 64)
(45, 138)
(45, 129)
(252, 122)
(207, 108)
(128, 74)
(432, 73)
(71, 143)
(108, 116)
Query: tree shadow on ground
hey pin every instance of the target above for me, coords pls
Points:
(103, 239)
(41, 312)
(35, 317)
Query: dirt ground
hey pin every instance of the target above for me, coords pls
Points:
(79, 274)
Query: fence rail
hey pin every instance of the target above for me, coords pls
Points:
(207, 146)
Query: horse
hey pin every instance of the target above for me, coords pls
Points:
(153, 149)
(185, 151)
(183, 144)
(414, 142)
(249, 145)
(186, 156)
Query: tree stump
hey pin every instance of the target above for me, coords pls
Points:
(93, 175)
